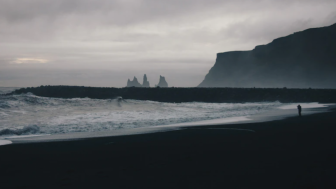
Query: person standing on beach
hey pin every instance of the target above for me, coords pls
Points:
(299, 108)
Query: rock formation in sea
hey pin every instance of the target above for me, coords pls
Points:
(133, 83)
(145, 81)
(303, 59)
(162, 82)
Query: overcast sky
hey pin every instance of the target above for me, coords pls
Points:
(105, 42)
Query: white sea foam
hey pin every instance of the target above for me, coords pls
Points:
(29, 114)
(24, 136)
(304, 105)
(211, 122)
(5, 142)
(20, 131)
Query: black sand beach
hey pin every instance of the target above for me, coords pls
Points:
(297, 152)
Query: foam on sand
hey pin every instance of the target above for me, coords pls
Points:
(25, 136)
(5, 142)
(210, 122)
(304, 105)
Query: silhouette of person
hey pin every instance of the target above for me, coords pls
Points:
(299, 109)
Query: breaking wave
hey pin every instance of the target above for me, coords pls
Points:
(25, 130)
(30, 114)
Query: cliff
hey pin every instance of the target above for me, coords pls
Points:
(303, 59)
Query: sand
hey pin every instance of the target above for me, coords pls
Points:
(297, 152)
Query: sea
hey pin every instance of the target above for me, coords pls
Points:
(28, 114)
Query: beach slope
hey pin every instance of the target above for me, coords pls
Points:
(297, 152)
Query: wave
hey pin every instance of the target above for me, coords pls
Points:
(25, 130)
(57, 115)
(29, 99)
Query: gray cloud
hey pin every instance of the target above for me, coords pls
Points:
(176, 38)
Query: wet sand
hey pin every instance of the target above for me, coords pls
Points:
(297, 152)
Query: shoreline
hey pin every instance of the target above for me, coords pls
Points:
(279, 113)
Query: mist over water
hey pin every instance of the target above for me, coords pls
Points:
(30, 114)
(4, 90)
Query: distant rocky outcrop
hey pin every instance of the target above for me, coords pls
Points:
(303, 59)
(162, 82)
(134, 83)
(145, 82)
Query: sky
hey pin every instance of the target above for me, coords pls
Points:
(105, 42)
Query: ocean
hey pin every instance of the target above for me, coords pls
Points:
(4, 90)
(27, 114)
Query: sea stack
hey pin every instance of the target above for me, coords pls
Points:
(133, 83)
(145, 82)
(162, 82)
